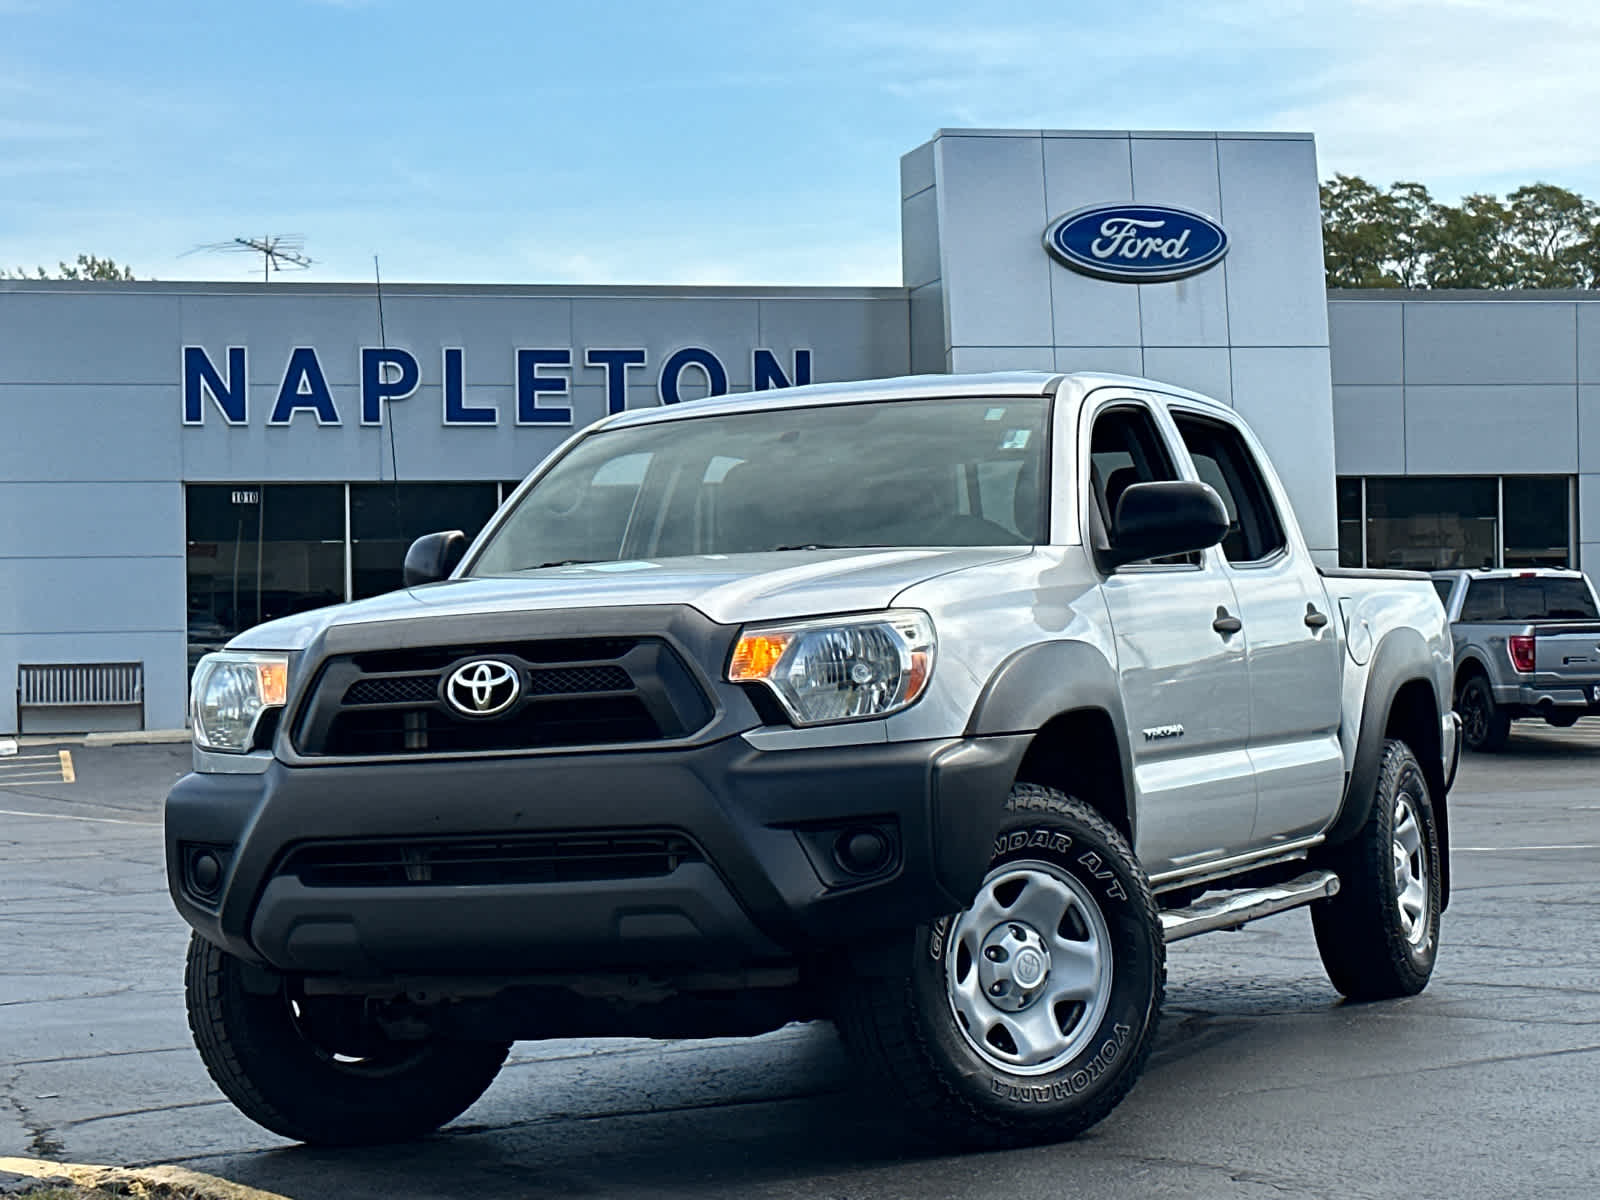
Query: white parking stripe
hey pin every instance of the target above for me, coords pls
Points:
(1516, 849)
(14, 812)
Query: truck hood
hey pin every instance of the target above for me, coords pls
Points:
(729, 589)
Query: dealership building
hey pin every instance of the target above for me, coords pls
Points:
(179, 461)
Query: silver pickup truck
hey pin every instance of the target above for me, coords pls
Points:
(936, 707)
(1527, 644)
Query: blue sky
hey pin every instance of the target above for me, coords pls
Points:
(593, 141)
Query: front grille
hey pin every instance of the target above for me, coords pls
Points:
(576, 692)
(567, 858)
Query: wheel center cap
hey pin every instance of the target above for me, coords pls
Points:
(1029, 967)
(1013, 966)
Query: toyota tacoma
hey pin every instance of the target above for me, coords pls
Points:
(934, 707)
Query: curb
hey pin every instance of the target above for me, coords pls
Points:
(131, 737)
(178, 1183)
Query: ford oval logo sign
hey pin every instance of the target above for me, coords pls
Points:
(1136, 243)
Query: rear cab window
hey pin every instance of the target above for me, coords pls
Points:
(1223, 460)
(1531, 598)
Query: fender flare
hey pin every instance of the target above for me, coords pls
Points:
(1394, 664)
(1041, 682)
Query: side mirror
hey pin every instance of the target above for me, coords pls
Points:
(433, 556)
(1154, 520)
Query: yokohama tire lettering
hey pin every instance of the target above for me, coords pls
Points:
(1078, 1081)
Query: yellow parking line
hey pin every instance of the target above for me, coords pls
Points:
(68, 775)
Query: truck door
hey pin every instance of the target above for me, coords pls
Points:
(1291, 645)
(1182, 668)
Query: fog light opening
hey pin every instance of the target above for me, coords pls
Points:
(862, 851)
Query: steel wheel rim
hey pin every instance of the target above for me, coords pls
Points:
(1409, 851)
(1037, 930)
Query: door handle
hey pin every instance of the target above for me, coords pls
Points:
(1226, 622)
(1315, 619)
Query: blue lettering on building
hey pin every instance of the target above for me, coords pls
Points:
(1136, 243)
(456, 409)
(201, 378)
(766, 372)
(543, 383)
(692, 356)
(531, 385)
(304, 386)
(377, 385)
(616, 364)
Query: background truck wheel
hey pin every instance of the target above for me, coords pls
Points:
(1562, 718)
(313, 1070)
(1484, 726)
(1379, 936)
(1029, 1016)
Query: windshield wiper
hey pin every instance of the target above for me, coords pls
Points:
(562, 562)
(811, 546)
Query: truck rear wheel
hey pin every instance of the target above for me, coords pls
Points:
(1028, 1017)
(311, 1070)
(1484, 725)
(1380, 935)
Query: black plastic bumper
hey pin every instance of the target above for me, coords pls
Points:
(762, 892)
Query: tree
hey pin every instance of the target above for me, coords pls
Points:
(1540, 236)
(88, 267)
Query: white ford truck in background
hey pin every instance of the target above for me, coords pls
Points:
(936, 707)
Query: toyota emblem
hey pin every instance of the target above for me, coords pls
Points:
(484, 687)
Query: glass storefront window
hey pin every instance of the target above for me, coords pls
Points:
(385, 520)
(1350, 523)
(1430, 522)
(1538, 521)
(257, 552)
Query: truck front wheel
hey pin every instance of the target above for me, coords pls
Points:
(312, 1070)
(1029, 1016)
(1380, 935)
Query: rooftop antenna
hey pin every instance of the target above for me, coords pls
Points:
(279, 251)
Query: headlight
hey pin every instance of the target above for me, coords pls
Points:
(841, 668)
(230, 692)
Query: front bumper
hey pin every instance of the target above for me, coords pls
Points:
(762, 890)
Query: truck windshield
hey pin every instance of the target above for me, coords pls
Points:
(1533, 599)
(892, 473)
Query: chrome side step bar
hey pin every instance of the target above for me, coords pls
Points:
(1238, 908)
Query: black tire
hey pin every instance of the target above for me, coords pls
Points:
(262, 1057)
(1484, 725)
(904, 1028)
(1371, 949)
(1561, 718)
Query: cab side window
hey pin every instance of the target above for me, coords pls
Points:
(1125, 448)
(1222, 460)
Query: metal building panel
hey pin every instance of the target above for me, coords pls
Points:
(1204, 369)
(1283, 393)
(86, 431)
(1113, 360)
(93, 595)
(916, 170)
(728, 328)
(110, 336)
(1481, 343)
(1086, 311)
(89, 519)
(1182, 172)
(848, 339)
(973, 359)
(1588, 342)
(991, 219)
(1365, 339)
(1491, 430)
(1272, 212)
(1369, 430)
(919, 238)
(1589, 428)
(928, 345)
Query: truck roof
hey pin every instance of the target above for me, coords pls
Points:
(904, 387)
(1508, 572)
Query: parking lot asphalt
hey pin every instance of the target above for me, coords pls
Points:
(1263, 1084)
